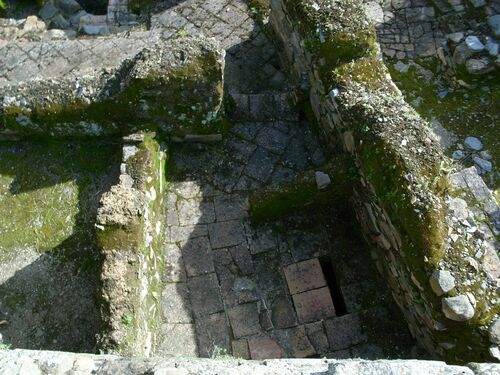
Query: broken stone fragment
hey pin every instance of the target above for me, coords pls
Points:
(473, 143)
(479, 66)
(458, 308)
(494, 332)
(495, 352)
(121, 205)
(484, 165)
(442, 282)
(322, 180)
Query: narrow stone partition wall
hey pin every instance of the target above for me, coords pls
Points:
(443, 274)
(130, 227)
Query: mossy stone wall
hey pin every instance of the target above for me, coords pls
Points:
(131, 225)
(330, 49)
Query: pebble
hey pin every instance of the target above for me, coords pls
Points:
(322, 180)
(486, 155)
(401, 67)
(458, 308)
(458, 155)
(473, 143)
(474, 43)
(492, 47)
(442, 282)
(485, 165)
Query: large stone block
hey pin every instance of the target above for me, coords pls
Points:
(108, 86)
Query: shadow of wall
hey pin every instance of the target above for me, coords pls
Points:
(47, 297)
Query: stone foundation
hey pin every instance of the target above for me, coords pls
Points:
(401, 197)
(130, 231)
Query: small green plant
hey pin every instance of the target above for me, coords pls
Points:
(220, 353)
(2, 345)
(128, 319)
(182, 33)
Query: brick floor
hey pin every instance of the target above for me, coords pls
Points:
(314, 305)
(304, 276)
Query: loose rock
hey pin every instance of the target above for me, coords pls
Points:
(442, 282)
(473, 143)
(458, 308)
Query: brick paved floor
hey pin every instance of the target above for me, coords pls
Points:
(251, 290)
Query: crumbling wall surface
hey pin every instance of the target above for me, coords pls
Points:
(108, 86)
(130, 228)
(45, 362)
(436, 250)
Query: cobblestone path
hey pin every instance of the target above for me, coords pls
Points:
(258, 291)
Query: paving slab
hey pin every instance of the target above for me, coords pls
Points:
(205, 294)
(344, 332)
(314, 305)
(177, 340)
(264, 347)
(197, 255)
(213, 335)
(304, 276)
(226, 234)
(245, 320)
(176, 307)
(174, 270)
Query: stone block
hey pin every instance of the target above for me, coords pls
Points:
(205, 295)
(176, 307)
(245, 320)
(240, 349)
(282, 312)
(264, 347)
(226, 234)
(304, 276)
(213, 335)
(314, 305)
(344, 332)
(197, 256)
(183, 344)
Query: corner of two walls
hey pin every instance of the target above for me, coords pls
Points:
(400, 200)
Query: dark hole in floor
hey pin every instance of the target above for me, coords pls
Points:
(97, 7)
(331, 280)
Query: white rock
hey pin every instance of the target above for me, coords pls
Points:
(494, 332)
(474, 43)
(486, 155)
(494, 22)
(485, 165)
(442, 282)
(455, 37)
(473, 143)
(491, 46)
(401, 67)
(458, 308)
(322, 180)
(495, 352)
(458, 155)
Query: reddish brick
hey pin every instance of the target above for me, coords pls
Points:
(263, 347)
(304, 276)
(240, 349)
(314, 305)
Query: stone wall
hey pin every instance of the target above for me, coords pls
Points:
(403, 194)
(130, 228)
(57, 363)
(108, 86)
